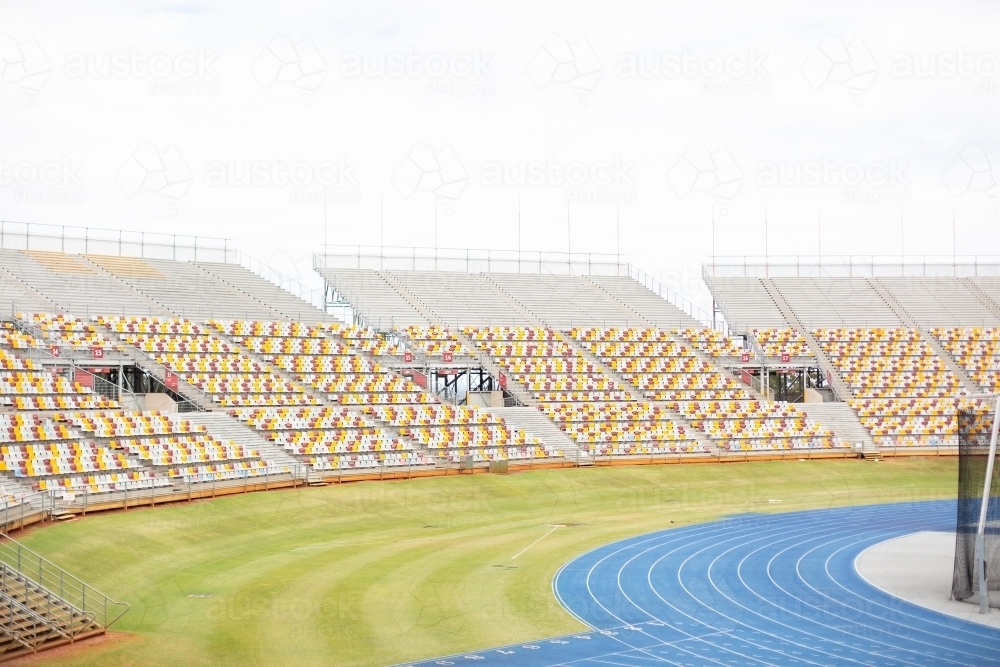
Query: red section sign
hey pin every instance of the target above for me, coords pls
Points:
(503, 381)
(84, 378)
(745, 357)
(170, 380)
(785, 357)
(408, 356)
(97, 352)
(447, 357)
(54, 350)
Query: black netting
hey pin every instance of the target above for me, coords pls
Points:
(975, 426)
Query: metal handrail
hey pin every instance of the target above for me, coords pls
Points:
(866, 266)
(15, 235)
(685, 305)
(57, 581)
(275, 277)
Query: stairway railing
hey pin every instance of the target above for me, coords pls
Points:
(59, 582)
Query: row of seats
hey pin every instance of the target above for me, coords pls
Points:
(435, 341)
(712, 342)
(214, 365)
(977, 350)
(310, 431)
(64, 329)
(594, 410)
(714, 402)
(103, 483)
(345, 374)
(888, 363)
(31, 427)
(779, 342)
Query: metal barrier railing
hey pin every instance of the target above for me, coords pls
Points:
(79, 594)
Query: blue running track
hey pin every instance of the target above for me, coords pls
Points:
(777, 589)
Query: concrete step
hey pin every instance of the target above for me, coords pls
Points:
(533, 422)
(224, 427)
(839, 418)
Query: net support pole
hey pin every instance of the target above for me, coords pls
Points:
(984, 599)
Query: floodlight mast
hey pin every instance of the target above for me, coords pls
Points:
(984, 598)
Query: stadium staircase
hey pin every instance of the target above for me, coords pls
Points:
(517, 391)
(188, 391)
(43, 606)
(843, 421)
(839, 386)
(262, 291)
(223, 427)
(16, 294)
(981, 295)
(534, 422)
(933, 342)
(155, 308)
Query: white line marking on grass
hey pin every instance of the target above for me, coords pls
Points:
(555, 527)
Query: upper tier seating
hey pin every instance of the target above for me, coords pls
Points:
(263, 291)
(939, 302)
(66, 330)
(13, 338)
(13, 297)
(836, 302)
(653, 308)
(183, 288)
(459, 299)
(563, 301)
(746, 304)
(384, 307)
(73, 284)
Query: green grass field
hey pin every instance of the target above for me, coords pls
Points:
(377, 573)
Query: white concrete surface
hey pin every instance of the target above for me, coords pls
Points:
(918, 569)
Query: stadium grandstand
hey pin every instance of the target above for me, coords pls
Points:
(436, 362)
(146, 370)
(430, 362)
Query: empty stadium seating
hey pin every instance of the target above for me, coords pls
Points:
(228, 376)
(338, 360)
(601, 416)
(27, 385)
(976, 349)
(711, 342)
(714, 402)
(175, 448)
(775, 343)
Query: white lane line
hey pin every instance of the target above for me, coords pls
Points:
(555, 527)
(710, 528)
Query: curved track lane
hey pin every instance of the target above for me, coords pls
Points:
(778, 589)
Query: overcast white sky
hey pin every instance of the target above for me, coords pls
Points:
(224, 119)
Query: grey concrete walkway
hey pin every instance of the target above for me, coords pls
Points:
(918, 568)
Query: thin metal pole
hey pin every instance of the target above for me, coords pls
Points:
(984, 600)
